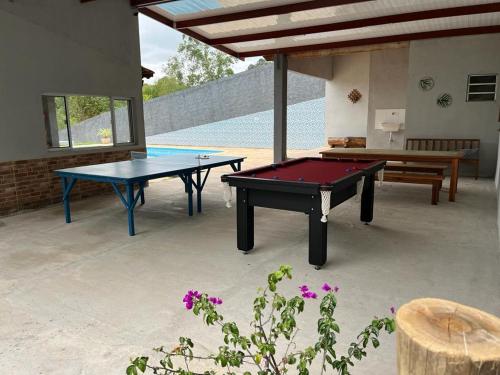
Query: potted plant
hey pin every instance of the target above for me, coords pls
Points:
(105, 134)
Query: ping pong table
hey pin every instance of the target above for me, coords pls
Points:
(131, 173)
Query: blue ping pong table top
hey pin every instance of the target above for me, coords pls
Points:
(148, 168)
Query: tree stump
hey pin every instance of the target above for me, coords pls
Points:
(439, 337)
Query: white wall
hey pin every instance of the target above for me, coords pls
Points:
(343, 118)
(388, 85)
(388, 79)
(449, 61)
(497, 185)
(64, 47)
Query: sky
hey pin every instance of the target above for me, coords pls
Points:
(159, 42)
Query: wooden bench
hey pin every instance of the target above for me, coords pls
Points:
(470, 147)
(415, 178)
(435, 169)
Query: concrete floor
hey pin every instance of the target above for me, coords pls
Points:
(83, 298)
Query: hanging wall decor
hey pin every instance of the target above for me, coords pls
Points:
(426, 83)
(354, 96)
(444, 100)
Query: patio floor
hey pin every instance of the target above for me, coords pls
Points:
(83, 298)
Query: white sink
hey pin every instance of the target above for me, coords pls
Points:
(390, 126)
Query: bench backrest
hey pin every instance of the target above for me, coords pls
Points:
(435, 144)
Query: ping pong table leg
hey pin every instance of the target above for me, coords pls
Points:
(198, 189)
(189, 188)
(141, 189)
(67, 187)
(130, 209)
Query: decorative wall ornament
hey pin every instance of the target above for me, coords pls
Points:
(444, 100)
(426, 83)
(354, 96)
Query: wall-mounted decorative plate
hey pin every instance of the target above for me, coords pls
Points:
(354, 96)
(426, 83)
(444, 100)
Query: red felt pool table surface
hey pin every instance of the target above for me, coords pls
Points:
(315, 170)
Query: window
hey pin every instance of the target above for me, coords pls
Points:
(481, 87)
(76, 121)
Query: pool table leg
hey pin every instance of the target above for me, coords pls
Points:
(245, 221)
(317, 239)
(367, 198)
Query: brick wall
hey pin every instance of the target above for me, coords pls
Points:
(27, 184)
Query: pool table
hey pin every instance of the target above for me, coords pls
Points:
(310, 185)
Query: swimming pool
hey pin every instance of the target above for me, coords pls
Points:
(163, 151)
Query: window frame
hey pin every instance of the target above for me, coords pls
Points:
(469, 84)
(131, 128)
(132, 123)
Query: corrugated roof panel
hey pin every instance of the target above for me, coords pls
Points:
(371, 32)
(327, 15)
(189, 6)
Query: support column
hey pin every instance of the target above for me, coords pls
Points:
(280, 106)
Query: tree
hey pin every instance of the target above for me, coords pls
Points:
(82, 108)
(260, 62)
(197, 63)
(163, 86)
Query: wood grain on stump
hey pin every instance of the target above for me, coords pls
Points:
(439, 337)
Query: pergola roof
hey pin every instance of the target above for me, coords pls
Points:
(246, 28)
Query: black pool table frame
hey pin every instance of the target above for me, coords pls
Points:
(301, 197)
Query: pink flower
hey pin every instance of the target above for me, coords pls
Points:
(303, 288)
(215, 300)
(189, 298)
(336, 289)
(326, 287)
(309, 295)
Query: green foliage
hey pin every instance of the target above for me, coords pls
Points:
(274, 322)
(163, 86)
(197, 63)
(260, 62)
(82, 108)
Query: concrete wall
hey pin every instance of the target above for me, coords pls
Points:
(449, 61)
(239, 95)
(388, 79)
(343, 118)
(64, 47)
(388, 84)
(497, 185)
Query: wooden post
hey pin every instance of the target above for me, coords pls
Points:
(439, 337)
(280, 106)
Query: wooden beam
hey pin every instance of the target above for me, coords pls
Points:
(359, 23)
(263, 12)
(146, 3)
(345, 51)
(378, 40)
(166, 21)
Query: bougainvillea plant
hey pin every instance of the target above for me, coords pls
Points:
(270, 348)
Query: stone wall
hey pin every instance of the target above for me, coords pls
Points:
(231, 97)
(28, 184)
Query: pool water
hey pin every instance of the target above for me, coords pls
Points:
(163, 151)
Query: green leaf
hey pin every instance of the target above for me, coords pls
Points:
(131, 370)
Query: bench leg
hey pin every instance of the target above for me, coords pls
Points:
(476, 176)
(435, 193)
